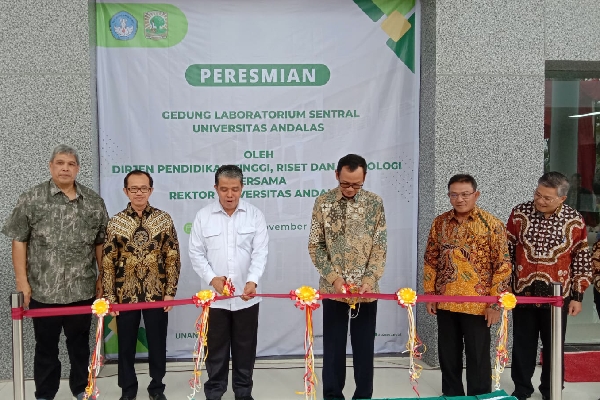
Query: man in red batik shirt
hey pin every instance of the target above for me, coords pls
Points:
(548, 243)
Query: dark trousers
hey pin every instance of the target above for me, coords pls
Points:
(128, 322)
(597, 300)
(46, 365)
(457, 331)
(529, 323)
(362, 338)
(234, 331)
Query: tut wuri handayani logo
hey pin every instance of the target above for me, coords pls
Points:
(123, 26)
(156, 25)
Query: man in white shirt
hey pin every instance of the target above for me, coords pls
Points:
(229, 240)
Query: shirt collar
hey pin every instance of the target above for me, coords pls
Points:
(556, 213)
(132, 213)
(339, 196)
(471, 216)
(217, 207)
(54, 190)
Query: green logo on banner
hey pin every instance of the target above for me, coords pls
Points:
(257, 74)
(187, 228)
(139, 25)
(398, 25)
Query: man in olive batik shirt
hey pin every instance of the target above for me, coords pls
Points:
(57, 230)
(348, 244)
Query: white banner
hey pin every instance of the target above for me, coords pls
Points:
(283, 89)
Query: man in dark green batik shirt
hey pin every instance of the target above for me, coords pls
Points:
(57, 229)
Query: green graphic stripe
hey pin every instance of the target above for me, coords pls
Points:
(174, 32)
(388, 6)
(257, 74)
(111, 346)
(370, 9)
(142, 342)
(405, 47)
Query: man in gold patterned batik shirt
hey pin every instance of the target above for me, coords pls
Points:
(466, 255)
(348, 245)
(141, 263)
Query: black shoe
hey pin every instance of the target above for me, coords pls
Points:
(520, 396)
(127, 398)
(158, 396)
(545, 397)
(244, 398)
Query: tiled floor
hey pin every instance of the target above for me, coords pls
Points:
(280, 379)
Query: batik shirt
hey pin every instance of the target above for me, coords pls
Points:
(466, 259)
(141, 260)
(61, 236)
(596, 265)
(545, 250)
(348, 239)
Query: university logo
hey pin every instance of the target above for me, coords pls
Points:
(123, 26)
(156, 25)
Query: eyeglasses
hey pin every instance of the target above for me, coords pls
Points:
(355, 186)
(463, 195)
(142, 189)
(538, 195)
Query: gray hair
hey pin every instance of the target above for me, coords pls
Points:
(64, 149)
(229, 171)
(555, 180)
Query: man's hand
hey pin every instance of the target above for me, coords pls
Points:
(168, 298)
(23, 286)
(114, 313)
(99, 288)
(218, 283)
(338, 285)
(491, 316)
(249, 291)
(19, 258)
(431, 308)
(365, 288)
(574, 307)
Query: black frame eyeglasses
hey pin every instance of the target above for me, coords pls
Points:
(143, 189)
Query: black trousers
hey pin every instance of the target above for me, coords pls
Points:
(362, 338)
(46, 365)
(529, 323)
(596, 300)
(128, 322)
(457, 331)
(234, 331)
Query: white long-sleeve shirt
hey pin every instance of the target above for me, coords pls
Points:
(233, 246)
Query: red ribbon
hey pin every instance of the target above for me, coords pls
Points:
(17, 313)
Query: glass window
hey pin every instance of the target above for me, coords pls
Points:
(572, 146)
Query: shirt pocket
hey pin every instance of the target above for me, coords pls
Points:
(212, 237)
(245, 237)
(87, 226)
(43, 225)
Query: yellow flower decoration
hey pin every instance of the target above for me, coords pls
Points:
(406, 297)
(508, 300)
(307, 295)
(205, 296)
(228, 288)
(100, 307)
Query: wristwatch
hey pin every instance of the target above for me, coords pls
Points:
(495, 306)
